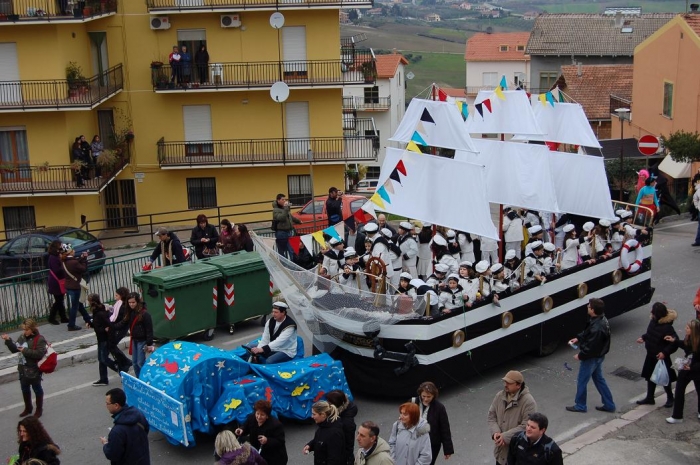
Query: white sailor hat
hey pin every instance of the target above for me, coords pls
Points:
(532, 230)
(453, 276)
(625, 214)
(441, 268)
(439, 240)
(482, 266)
(333, 242)
(450, 233)
(535, 245)
(604, 223)
(416, 282)
(588, 226)
(620, 211)
(280, 306)
(466, 264)
(615, 220)
(350, 252)
(371, 228)
(568, 228)
(496, 268)
(510, 254)
(427, 225)
(406, 275)
(405, 225)
(549, 247)
(387, 232)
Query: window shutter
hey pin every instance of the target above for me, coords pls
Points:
(10, 92)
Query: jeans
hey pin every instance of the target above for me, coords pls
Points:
(684, 378)
(138, 356)
(103, 359)
(592, 368)
(276, 357)
(25, 385)
(282, 241)
(76, 306)
(697, 235)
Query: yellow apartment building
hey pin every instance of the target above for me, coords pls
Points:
(240, 127)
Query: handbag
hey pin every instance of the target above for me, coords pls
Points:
(660, 375)
(61, 282)
(48, 362)
(84, 288)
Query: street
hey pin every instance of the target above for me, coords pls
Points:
(75, 414)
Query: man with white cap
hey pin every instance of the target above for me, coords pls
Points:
(426, 292)
(409, 248)
(442, 255)
(512, 230)
(534, 266)
(512, 269)
(548, 261)
(437, 279)
(279, 339)
(333, 257)
(618, 234)
(452, 244)
(380, 247)
(452, 297)
(395, 254)
(425, 255)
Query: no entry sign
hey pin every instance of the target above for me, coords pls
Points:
(648, 145)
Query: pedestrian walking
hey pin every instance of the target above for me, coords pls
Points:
(35, 443)
(373, 450)
(117, 331)
(140, 326)
(100, 323)
(31, 347)
(265, 433)
(532, 446)
(282, 221)
(409, 443)
(228, 451)
(593, 344)
(57, 284)
(435, 414)
(328, 444)
(690, 371)
(658, 348)
(347, 410)
(127, 442)
(75, 269)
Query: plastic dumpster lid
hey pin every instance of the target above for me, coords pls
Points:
(184, 274)
(236, 263)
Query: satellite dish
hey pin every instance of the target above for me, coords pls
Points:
(279, 91)
(410, 75)
(276, 20)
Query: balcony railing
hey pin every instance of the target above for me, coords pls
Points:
(359, 103)
(223, 76)
(24, 179)
(185, 6)
(42, 11)
(350, 41)
(60, 94)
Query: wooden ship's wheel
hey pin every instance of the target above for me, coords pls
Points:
(376, 272)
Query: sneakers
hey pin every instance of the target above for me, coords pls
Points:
(675, 420)
(99, 382)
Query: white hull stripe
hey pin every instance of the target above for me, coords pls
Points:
(499, 333)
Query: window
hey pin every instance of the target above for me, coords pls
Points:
(38, 244)
(314, 208)
(668, 100)
(371, 94)
(489, 79)
(299, 188)
(373, 172)
(547, 80)
(193, 39)
(357, 204)
(201, 193)
(503, 48)
(520, 48)
(77, 237)
(519, 80)
(14, 152)
(18, 220)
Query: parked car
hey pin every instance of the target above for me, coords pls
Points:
(366, 187)
(28, 252)
(317, 208)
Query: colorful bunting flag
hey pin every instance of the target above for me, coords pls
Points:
(350, 221)
(550, 98)
(377, 200)
(553, 146)
(294, 242)
(499, 93)
(330, 231)
(395, 176)
(442, 95)
(400, 166)
(360, 217)
(465, 111)
(369, 208)
(487, 104)
(480, 109)
(308, 242)
(561, 96)
(504, 84)
(389, 186)
(340, 229)
(318, 235)
(413, 147)
(418, 139)
(384, 194)
(426, 116)
(543, 99)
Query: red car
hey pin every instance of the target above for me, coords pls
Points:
(317, 209)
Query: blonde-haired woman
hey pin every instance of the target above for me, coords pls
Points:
(229, 451)
(688, 373)
(328, 444)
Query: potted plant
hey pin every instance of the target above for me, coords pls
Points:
(44, 167)
(8, 168)
(77, 165)
(76, 79)
(369, 71)
(107, 162)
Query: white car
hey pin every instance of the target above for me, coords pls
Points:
(366, 186)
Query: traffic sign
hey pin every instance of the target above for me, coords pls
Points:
(648, 145)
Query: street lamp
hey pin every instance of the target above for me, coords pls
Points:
(621, 112)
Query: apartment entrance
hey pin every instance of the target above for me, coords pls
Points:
(120, 204)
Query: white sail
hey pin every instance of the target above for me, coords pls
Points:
(565, 123)
(445, 131)
(511, 115)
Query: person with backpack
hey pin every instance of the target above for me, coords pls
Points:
(31, 347)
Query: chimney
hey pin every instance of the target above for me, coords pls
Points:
(579, 69)
(618, 20)
(694, 8)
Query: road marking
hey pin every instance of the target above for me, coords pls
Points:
(572, 433)
(49, 396)
(673, 226)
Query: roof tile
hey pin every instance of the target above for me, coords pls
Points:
(387, 64)
(593, 87)
(487, 47)
(693, 21)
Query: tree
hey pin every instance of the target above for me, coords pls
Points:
(683, 146)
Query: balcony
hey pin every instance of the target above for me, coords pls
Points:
(22, 180)
(357, 103)
(198, 6)
(355, 146)
(227, 77)
(25, 12)
(60, 94)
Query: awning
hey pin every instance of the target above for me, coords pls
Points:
(675, 169)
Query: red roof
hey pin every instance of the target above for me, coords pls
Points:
(487, 47)
(388, 64)
(694, 22)
(593, 87)
(454, 92)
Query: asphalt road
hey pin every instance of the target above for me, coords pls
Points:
(76, 417)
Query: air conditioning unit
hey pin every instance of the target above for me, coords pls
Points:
(230, 20)
(160, 23)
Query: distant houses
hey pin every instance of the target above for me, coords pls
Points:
(433, 18)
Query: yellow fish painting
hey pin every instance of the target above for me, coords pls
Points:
(286, 374)
(299, 389)
(232, 405)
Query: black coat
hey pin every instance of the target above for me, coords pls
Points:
(208, 232)
(347, 417)
(654, 343)
(440, 434)
(328, 444)
(100, 323)
(334, 210)
(44, 452)
(594, 341)
(544, 452)
(274, 452)
(127, 443)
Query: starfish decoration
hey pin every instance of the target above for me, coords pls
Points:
(185, 369)
(152, 362)
(232, 405)
(177, 346)
(220, 364)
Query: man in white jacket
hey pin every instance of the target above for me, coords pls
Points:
(279, 339)
(513, 230)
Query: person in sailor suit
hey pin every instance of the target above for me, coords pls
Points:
(602, 233)
(535, 233)
(405, 285)
(453, 245)
(512, 269)
(279, 339)
(409, 248)
(437, 279)
(483, 279)
(534, 265)
(395, 254)
(425, 255)
(617, 234)
(468, 281)
(500, 285)
(570, 255)
(380, 247)
(452, 297)
(333, 258)
(549, 259)
(351, 275)
(489, 249)
(631, 232)
(439, 248)
(585, 250)
(466, 247)
(532, 218)
(426, 292)
(512, 230)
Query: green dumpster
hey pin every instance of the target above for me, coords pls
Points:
(244, 287)
(181, 299)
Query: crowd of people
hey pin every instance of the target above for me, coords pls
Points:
(182, 71)
(88, 154)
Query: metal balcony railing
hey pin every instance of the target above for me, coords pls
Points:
(350, 41)
(60, 93)
(359, 103)
(25, 179)
(37, 11)
(233, 76)
(185, 6)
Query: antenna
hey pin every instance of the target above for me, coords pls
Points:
(276, 20)
(279, 92)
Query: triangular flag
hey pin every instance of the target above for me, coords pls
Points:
(420, 127)
(487, 104)
(543, 98)
(401, 167)
(360, 216)
(417, 138)
(480, 109)
(425, 116)
(340, 229)
(308, 242)
(350, 222)
(377, 200)
(389, 186)
(395, 176)
(529, 95)
(465, 111)
(553, 146)
(384, 194)
(504, 84)
(330, 230)
(561, 96)
(294, 242)
(413, 147)
(369, 208)
(442, 95)
(318, 235)
(499, 93)
(550, 98)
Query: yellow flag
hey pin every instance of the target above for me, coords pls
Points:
(499, 93)
(543, 99)
(377, 200)
(413, 147)
(318, 235)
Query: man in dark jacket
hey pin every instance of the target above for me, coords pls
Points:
(169, 247)
(127, 442)
(594, 343)
(282, 221)
(532, 446)
(204, 237)
(334, 206)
